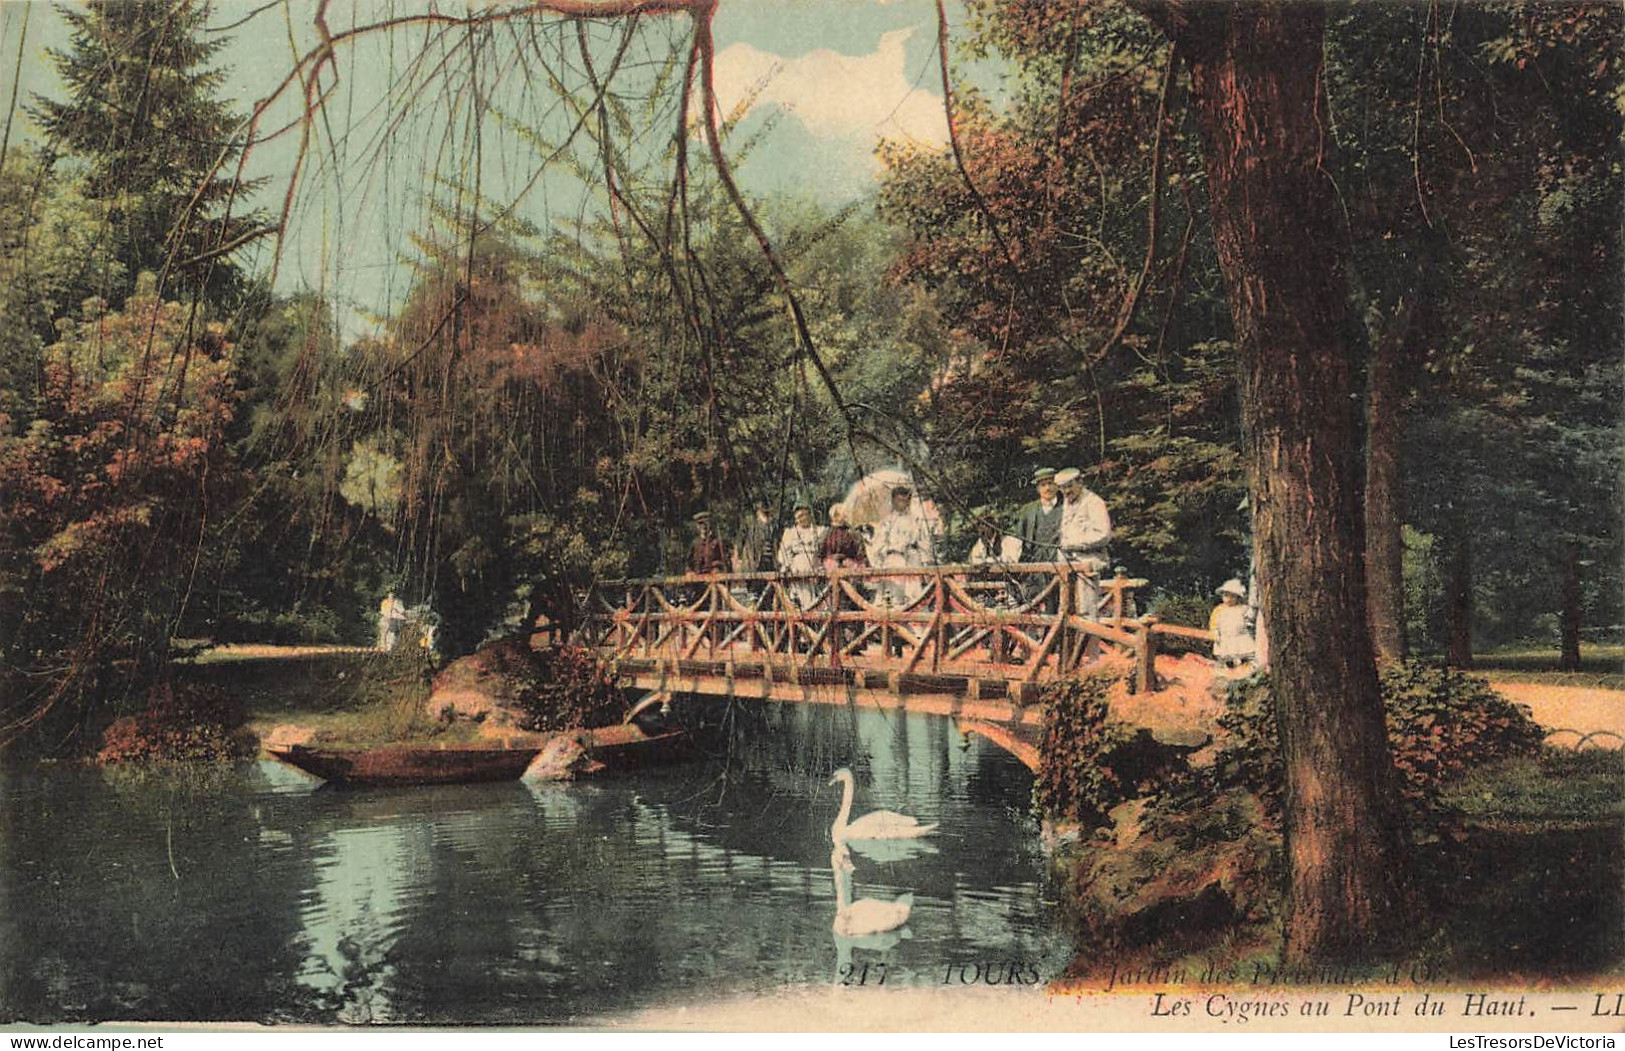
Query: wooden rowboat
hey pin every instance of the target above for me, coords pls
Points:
(614, 746)
(407, 765)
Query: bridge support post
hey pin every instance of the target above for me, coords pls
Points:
(1065, 650)
(1145, 657)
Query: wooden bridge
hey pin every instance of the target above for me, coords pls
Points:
(976, 642)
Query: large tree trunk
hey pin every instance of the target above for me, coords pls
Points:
(1256, 91)
(1458, 599)
(1399, 340)
(1569, 659)
(1384, 502)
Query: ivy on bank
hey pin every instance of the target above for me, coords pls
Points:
(1189, 841)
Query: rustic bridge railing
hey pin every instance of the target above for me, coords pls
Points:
(973, 631)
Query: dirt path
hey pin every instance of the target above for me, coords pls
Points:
(263, 651)
(1582, 709)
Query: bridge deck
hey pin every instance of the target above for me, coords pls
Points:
(989, 700)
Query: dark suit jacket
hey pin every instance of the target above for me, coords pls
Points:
(708, 555)
(1040, 532)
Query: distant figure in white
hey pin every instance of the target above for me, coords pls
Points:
(391, 619)
(903, 540)
(798, 554)
(855, 919)
(881, 824)
(1232, 625)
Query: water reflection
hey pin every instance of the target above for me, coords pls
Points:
(867, 923)
(509, 903)
(864, 916)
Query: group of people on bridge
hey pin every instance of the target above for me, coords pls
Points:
(1066, 523)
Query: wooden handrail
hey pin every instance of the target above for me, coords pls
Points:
(1018, 621)
(957, 569)
(1183, 632)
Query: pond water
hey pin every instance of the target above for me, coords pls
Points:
(248, 893)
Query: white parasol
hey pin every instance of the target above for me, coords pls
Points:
(869, 500)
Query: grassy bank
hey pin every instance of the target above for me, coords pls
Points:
(343, 695)
(1523, 876)
(1601, 665)
(1534, 881)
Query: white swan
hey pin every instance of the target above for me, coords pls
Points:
(882, 824)
(866, 916)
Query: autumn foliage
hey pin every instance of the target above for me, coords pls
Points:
(187, 722)
(105, 497)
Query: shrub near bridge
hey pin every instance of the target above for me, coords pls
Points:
(510, 683)
(1194, 844)
(572, 688)
(1086, 766)
(1442, 724)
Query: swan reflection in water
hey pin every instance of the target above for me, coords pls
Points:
(876, 826)
(866, 916)
(868, 923)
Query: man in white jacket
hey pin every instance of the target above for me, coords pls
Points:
(1086, 531)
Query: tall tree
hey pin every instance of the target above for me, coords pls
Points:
(103, 505)
(1478, 147)
(143, 117)
(1398, 260)
(47, 230)
(1063, 243)
(1257, 90)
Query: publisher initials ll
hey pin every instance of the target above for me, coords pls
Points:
(1603, 1008)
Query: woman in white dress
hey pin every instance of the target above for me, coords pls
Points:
(798, 556)
(903, 541)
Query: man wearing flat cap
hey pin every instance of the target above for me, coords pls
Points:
(708, 554)
(1039, 525)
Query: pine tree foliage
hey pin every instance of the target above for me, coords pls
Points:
(143, 119)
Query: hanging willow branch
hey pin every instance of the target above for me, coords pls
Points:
(1125, 316)
(704, 10)
(1130, 307)
(953, 142)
